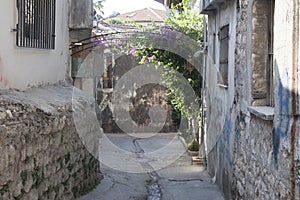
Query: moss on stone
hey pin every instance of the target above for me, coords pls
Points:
(67, 158)
(24, 175)
(4, 189)
(38, 176)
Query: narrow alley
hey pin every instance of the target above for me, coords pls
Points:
(180, 180)
(106, 99)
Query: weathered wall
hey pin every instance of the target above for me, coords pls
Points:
(81, 14)
(260, 157)
(286, 67)
(141, 100)
(42, 152)
(22, 68)
(255, 174)
(260, 50)
(80, 19)
(220, 99)
(265, 163)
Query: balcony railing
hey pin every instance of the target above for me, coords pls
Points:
(208, 6)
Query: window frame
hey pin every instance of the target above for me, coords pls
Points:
(270, 87)
(223, 36)
(262, 65)
(36, 24)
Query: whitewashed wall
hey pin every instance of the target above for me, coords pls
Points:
(21, 68)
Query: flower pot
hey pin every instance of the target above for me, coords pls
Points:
(193, 153)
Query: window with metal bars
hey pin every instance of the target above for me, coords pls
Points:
(36, 24)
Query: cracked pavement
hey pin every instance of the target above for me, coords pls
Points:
(177, 180)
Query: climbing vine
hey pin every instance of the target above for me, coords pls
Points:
(182, 19)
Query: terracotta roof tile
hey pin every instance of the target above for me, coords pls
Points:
(142, 16)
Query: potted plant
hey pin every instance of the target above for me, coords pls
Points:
(193, 148)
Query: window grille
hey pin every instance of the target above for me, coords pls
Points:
(36, 24)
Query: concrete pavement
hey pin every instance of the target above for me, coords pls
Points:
(153, 168)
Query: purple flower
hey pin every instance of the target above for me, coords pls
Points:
(150, 59)
(133, 51)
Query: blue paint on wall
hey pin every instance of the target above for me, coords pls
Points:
(225, 144)
(284, 120)
(237, 135)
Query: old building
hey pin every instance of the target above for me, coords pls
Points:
(43, 120)
(143, 17)
(252, 87)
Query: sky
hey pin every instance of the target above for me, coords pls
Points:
(124, 6)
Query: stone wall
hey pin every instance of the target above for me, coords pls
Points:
(260, 50)
(141, 99)
(252, 156)
(42, 155)
(255, 174)
(264, 159)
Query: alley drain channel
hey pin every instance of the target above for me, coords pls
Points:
(154, 191)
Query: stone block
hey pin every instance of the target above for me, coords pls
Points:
(28, 183)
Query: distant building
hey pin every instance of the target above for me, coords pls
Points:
(143, 17)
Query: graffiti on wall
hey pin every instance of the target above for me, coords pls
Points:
(220, 128)
(282, 129)
(215, 121)
(226, 141)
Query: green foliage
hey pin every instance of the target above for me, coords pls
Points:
(194, 145)
(175, 2)
(183, 29)
(183, 20)
(99, 6)
(125, 22)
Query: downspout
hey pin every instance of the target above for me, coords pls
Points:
(295, 95)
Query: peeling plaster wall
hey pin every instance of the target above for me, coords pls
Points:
(81, 14)
(220, 99)
(265, 164)
(21, 68)
(286, 58)
(253, 158)
(80, 19)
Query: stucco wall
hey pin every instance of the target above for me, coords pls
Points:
(286, 67)
(220, 99)
(21, 68)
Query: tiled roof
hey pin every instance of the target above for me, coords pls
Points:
(142, 16)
